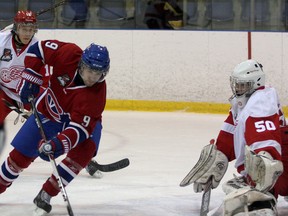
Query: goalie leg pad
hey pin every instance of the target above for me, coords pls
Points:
(249, 202)
(235, 184)
(211, 164)
(262, 168)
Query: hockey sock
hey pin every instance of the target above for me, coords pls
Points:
(68, 170)
(12, 167)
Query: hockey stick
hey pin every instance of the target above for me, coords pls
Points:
(16, 109)
(113, 166)
(51, 158)
(9, 27)
(93, 166)
(206, 199)
(51, 8)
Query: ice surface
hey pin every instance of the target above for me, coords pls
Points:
(162, 148)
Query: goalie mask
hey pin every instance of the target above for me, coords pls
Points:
(25, 26)
(94, 64)
(245, 79)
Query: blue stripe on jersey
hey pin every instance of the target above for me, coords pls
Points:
(34, 49)
(96, 135)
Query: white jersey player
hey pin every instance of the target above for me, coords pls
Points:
(14, 44)
(251, 135)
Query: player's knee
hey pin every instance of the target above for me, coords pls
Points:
(83, 153)
(19, 161)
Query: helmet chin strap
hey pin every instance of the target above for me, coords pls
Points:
(242, 100)
(18, 42)
(231, 98)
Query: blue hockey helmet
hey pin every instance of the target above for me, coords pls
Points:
(96, 57)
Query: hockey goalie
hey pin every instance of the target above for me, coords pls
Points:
(254, 136)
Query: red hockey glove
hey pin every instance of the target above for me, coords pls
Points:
(53, 147)
(29, 85)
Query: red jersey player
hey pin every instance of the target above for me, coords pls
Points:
(70, 108)
(251, 135)
(13, 46)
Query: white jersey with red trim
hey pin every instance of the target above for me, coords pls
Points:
(11, 63)
(256, 125)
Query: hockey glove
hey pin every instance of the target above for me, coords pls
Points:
(212, 164)
(262, 169)
(29, 85)
(53, 147)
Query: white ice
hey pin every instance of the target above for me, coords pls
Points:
(162, 148)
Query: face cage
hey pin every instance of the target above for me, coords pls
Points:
(241, 87)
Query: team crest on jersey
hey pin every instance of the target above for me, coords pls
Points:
(7, 55)
(63, 80)
(53, 106)
(11, 75)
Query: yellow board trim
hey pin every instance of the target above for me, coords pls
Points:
(168, 106)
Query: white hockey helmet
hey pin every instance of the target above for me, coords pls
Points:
(246, 78)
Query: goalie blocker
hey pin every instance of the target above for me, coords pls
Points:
(212, 164)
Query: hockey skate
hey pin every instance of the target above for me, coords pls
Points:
(93, 171)
(42, 202)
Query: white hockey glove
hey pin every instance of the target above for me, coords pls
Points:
(212, 164)
(262, 168)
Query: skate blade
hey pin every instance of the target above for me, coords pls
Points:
(39, 212)
(98, 175)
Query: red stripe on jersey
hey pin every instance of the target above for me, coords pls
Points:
(261, 129)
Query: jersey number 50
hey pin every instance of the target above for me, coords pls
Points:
(264, 125)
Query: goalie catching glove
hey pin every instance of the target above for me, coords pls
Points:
(262, 169)
(212, 164)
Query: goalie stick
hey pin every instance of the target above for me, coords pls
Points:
(93, 166)
(206, 199)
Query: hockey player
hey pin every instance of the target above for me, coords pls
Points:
(14, 44)
(251, 135)
(70, 108)
(13, 47)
